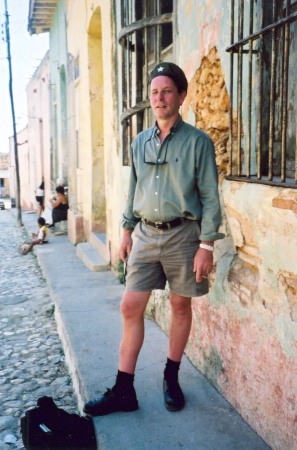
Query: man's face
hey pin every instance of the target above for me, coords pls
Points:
(164, 98)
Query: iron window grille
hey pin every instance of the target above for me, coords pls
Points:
(146, 38)
(263, 93)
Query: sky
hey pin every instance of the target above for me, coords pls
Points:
(26, 53)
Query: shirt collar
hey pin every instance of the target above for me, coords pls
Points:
(174, 128)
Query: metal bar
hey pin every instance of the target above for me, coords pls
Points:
(244, 179)
(272, 99)
(144, 23)
(158, 35)
(260, 96)
(134, 109)
(288, 4)
(250, 74)
(291, 18)
(295, 162)
(124, 9)
(231, 91)
(124, 87)
(146, 66)
(285, 101)
(129, 15)
(239, 87)
(125, 146)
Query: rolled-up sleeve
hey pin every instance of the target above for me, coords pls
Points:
(129, 220)
(207, 183)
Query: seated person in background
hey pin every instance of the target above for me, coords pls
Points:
(60, 206)
(38, 238)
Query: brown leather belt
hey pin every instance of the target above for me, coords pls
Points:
(165, 225)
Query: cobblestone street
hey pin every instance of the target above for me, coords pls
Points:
(31, 357)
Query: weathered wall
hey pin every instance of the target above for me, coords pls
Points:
(97, 175)
(58, 88)
(244, 333)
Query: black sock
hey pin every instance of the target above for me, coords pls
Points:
(171, 370)
(124, 382)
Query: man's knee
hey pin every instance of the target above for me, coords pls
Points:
(180, 305)
(133, 304)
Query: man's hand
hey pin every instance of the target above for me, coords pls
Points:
(126, 245)
(203, 264)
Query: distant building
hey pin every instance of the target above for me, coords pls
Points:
(23, 159)
(33, 141)
(4, 175)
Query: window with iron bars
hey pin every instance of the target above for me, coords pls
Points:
(263, 92)
(146, 38)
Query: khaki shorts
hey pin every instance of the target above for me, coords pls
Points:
(160, 255)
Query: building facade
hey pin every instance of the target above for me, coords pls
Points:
(239, 58)
(39, 150)
(33, 142)
(4, 175)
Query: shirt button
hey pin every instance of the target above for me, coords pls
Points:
(156, 209)
(156, 193)
(159, 160)
(157, 176)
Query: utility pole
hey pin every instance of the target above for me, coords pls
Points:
(18, 188)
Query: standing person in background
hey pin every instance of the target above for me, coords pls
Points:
(40, 198)
(170, 224)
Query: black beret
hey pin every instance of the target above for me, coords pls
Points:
(173, 71)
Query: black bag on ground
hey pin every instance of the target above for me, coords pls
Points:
(48, 427)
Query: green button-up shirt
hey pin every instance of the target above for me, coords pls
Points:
(176, 178)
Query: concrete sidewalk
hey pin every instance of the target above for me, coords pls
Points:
(89, 323)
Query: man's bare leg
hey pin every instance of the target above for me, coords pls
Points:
(132, 308)
(180, 327)
(122, 397)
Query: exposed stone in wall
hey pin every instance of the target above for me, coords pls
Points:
(286, 200)
(288, 285)
(244, 280)
(210, 102)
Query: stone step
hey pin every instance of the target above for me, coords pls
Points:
(99, 242)
(91, 258)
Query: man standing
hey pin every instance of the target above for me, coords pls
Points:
(170, 222)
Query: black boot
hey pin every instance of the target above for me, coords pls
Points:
(173, 395)
(121, 397)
